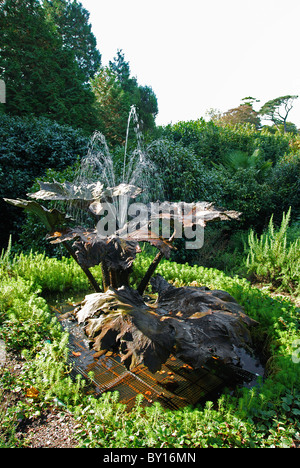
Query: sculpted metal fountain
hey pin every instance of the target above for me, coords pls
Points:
(201, 327)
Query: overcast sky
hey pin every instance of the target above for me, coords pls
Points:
(200, 54)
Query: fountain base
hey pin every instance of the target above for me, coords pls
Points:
(183, 349)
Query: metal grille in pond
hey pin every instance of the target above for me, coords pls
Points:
(176, 385)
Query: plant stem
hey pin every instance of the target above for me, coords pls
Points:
(86, 271)
(105, 275)
(143, 284)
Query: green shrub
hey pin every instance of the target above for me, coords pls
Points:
(29, 146)
(182, 174)
(272, 259)
(212, 142)
(285, 184)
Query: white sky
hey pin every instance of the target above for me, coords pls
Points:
(202, 54)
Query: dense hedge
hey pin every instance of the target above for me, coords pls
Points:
(211, 142)
(187, 176)
(28, 146)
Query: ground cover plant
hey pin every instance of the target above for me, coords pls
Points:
(265, 416)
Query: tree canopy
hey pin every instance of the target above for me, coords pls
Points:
(116, 91)
(41, 75)
(278, 109)
(72, 25)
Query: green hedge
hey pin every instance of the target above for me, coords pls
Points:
(211, 142)
(28, 146)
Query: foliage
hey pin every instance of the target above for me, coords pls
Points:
(42, 77)
(173, 162)
(235, 160)
(264, 416)
(243, 114)
(254, 172)
(278, 109)
(113, 105)
(271, 259)
(285, 184)
(142, 97)
(72, 24)
(28, 147)
(212, 142)
(116, 91)
(50, 274)
(243, 191)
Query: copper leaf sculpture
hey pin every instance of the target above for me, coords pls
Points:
(201, 327)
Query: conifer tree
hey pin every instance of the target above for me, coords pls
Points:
(42, 77)
(72, 24)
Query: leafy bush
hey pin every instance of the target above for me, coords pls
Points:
(28, 146)
(271, 259)
(285, 184)
(212, 142)
(182, 175)
(242, 192)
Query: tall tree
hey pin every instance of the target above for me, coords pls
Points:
(113, 105)
(121, 68)
(42, 77)
(72, 23)
(243, 114)
(142, 97)
(147, 106)
(278, 109)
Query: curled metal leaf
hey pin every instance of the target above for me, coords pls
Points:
(85, 235)
(190, 214)
(199, 326)
(50, 218)
(66, 191)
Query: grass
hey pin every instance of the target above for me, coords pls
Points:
(264, 416)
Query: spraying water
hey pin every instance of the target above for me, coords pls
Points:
(99, 166)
